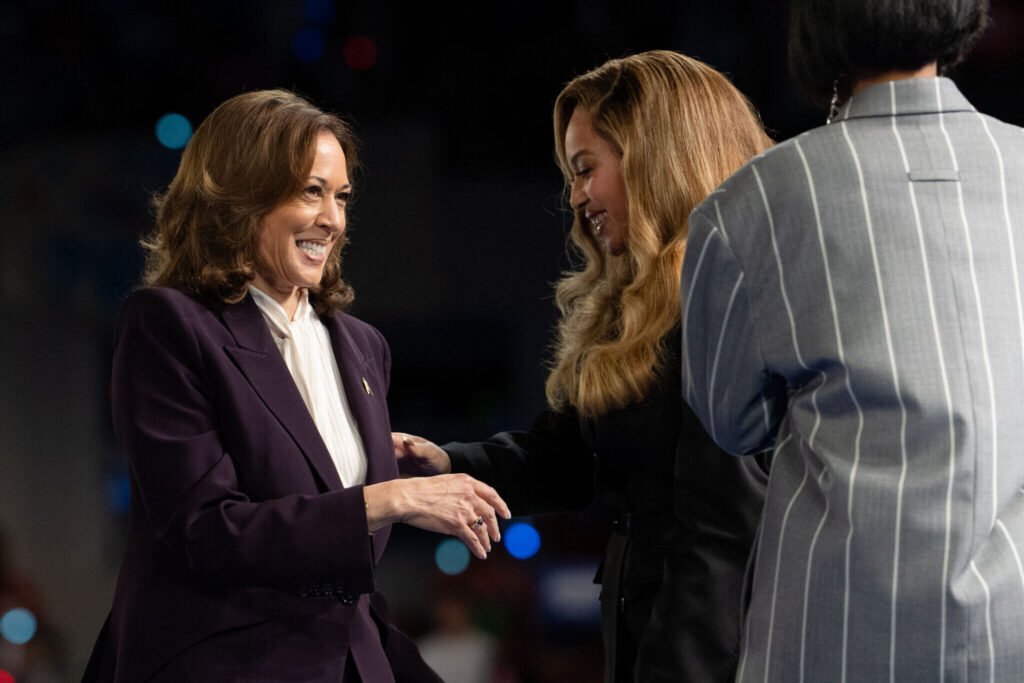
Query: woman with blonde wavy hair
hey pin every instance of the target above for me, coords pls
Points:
(641, 140)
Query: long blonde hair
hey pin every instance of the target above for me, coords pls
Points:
(680, 128)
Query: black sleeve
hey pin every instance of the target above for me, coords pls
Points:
(548, 468)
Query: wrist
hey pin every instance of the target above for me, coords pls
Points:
(383, 504)
(446, 461)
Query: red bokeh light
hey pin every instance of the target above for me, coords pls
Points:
(6, 677)
(360, 53)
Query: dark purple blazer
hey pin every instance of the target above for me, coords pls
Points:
(246, 558)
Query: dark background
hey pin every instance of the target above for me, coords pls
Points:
(455, 238)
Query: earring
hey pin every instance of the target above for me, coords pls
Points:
(833, 105)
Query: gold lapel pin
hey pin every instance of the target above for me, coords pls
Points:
(366, 385)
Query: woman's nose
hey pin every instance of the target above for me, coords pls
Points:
(332, 217)
(577, 197)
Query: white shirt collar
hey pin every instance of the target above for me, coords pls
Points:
(275, 313)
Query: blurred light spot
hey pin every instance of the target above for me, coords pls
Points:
(522, 541)
(308, 44)
(451, 556)
(360, 53)
(18, 626)
(6, 677)
(119, 493)
(569, 596)
(173, 130)
(318, 10)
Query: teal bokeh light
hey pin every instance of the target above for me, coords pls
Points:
(173, 131)
(18, 626)
(451, 556)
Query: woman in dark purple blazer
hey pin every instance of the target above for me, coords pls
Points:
(253, 414)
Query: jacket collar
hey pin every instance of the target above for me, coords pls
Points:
(905, 97)
(259, 360)
(366, 400)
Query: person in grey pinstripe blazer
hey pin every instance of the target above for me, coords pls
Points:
(853, 302)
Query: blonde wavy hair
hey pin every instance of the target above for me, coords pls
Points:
(680, 128)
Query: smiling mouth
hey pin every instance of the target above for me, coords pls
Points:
(597, 221)
(316, 250)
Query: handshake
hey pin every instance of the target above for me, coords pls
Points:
(428, 496)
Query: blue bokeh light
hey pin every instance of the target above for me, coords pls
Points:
(173, 131)
(451, 556)
(308, 44)
(119, 493)
(18, 626)
(522, 541)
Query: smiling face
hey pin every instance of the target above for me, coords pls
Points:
(598, 190)
(297, 236)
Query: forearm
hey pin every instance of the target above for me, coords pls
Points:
(726, 377)
(547, 468)
(291, 543)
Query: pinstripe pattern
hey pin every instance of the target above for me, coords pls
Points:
(718, 349)
(686, 320)
(994, 449)
(944, 374)
(867, 306)
(1013, 550)
(807, 585)
(860, 420)
(988, 621)
(1008, 222)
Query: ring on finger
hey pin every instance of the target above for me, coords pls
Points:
(477, 523)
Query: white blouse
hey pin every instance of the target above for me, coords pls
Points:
(306, 347)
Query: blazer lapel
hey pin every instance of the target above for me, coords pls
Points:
(367, 401)
(261, 363)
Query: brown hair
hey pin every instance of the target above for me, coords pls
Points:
(250, 155)
(680, 128)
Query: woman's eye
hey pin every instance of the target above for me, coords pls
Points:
(583, 172)
(343, 197)
(314, 190)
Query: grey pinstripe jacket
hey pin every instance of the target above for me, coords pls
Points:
(853, 300)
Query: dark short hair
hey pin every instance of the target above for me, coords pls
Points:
(250, 155)
(831, 39)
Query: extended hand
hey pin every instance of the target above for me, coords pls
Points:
(454, 504)
(418, 457)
